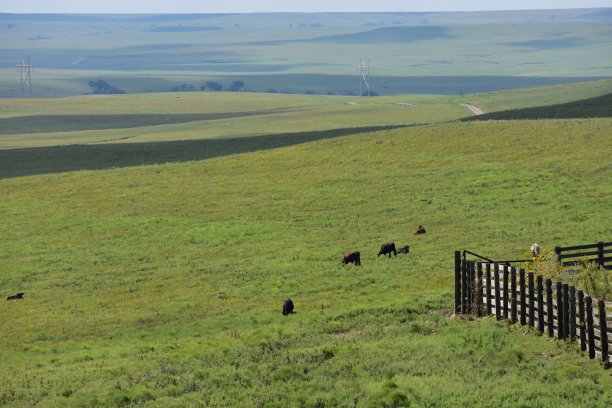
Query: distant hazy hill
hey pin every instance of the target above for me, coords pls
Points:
(448, 53)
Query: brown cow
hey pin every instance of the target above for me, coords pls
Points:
(354, 257)
(419, 230)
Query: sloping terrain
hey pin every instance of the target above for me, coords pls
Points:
(598, 107)
(161, 285)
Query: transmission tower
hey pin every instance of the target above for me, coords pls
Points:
(365, 71)
(26, 78)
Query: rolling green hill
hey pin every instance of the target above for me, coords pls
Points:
(598, 107)
(193, 116)
(538, 97)
(161, 285)
(41, 135)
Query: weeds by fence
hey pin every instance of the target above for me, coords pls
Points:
(560, 310)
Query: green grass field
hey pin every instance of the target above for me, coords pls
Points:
(161, 284)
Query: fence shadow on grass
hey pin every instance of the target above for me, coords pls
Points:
(598, 107)
(44, 160)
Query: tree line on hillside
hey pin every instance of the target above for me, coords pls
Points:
(101, 87)
(212, 86)
(240, 86)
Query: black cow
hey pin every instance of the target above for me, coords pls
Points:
(287, 307)
(17, 296)
(354, 257)
(388, 248)
(404, 250)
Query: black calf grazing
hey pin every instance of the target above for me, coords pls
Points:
(287, 307)
(17, 296)
(388, 248)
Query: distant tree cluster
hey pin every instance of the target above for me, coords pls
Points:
(183, 88)
(102, 87)
(237, 86)
(212, 86)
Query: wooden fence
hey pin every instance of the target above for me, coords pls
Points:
(558, 309)
(600, 253)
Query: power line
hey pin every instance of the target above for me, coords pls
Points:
(365, 72)
(25, 71)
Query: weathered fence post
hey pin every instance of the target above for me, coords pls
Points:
(581, 316)
(590, 328)
(558, 253)
(603, 330)
(600, 254)
(522, 291)
(572, 313)
(464, 283)
(513, 295)
(559, 310)
(488, 272)
(470, 283)
(506, 296)
(531, 300)
(479, 305)
(457, 281)
(540, 305)
(566, 317)
(497, 295)
(473, 286)
(549, 308)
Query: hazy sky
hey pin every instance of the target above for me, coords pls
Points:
(245, 6)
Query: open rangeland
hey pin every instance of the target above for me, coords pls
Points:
(434, 53)
(163, 284)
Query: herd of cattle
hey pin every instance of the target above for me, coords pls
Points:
(349, 257)
(355, 258)
(385, 249)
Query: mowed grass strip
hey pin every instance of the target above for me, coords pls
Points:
(162, 285)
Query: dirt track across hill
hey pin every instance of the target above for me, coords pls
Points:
(475, 109)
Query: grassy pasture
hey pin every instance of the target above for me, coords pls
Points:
(190, 116)
(598, 107)
(41, 136)
(542, 97)
(161, 285)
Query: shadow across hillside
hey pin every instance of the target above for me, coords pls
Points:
(72, 123)
(598, 107)
(56, 159)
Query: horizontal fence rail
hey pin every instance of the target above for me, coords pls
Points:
(599, 253)
(560, 310)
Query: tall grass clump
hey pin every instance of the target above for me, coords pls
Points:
(586, 275)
